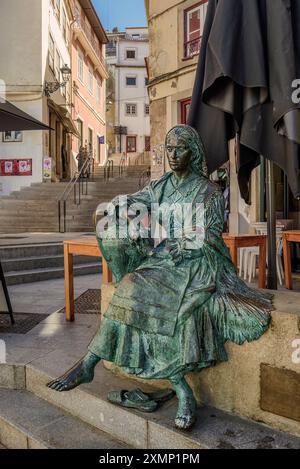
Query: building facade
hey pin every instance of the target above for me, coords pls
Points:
(34, 47)
(89, 75)
(40, 42)
(175, 32)
(128, 110)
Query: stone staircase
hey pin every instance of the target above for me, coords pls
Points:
(39, 418)
(44, 261)
(35, 208)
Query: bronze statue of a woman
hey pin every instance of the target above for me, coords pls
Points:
(177, 303)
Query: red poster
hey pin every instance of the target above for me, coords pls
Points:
(16, 167)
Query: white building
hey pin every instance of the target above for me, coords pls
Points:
(126, 55)
(34, 46)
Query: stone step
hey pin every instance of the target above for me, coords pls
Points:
(31, 229)
(43, 262)
(24, 220)
(214, 429)
(30, 250)
(27, 422)
(39, 275)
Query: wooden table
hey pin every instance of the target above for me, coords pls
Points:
(80, 247)
(289, 237)
(234, 242)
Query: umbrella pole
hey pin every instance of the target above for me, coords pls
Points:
(271, 220)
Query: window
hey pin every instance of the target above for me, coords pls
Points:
(130, 54)
(12, 136)
(80, 66)
(131, 144)
(147, 109)
(91, 80)
(111, 49)
(80, 131)
(57, 9)
(131, 81)
(147, 143)
(131, 109)
(51, 53)
(194, 24)
(64, 25)
(98, 148)
(77, 13)
(91, 139)
(185, 109)
(98, 94)
(57, 66)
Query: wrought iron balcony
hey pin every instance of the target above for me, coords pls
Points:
(192, 48)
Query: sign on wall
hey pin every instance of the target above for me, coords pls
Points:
(14, 167)
(47, 168)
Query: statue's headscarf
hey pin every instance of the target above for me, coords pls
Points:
(197, 163)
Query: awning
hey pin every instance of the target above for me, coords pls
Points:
(65, 117)
(12, 118)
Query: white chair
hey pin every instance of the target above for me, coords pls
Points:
(261, 228)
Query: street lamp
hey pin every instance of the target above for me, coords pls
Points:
(51, 87)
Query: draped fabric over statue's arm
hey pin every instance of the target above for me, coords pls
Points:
(123, 253)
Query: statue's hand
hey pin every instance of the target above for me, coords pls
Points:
(176, 253)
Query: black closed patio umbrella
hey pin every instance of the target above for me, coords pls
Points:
(13, 118)
(246, 88)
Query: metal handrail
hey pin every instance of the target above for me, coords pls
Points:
(77, 181)
(108, 170)
(140, 156)
(122, 166)
(145, 178)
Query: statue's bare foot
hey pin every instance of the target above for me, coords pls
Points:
(187, 405)
(186, 415)
(81, 373)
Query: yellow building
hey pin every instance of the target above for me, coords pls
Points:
(175, 32)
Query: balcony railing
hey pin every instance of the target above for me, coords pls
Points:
(192, 48)
(141, 37)
(81, 24)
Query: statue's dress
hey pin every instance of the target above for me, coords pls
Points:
(166, 319)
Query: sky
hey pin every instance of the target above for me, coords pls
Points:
(121, 13)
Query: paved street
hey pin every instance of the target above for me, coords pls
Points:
(49, 296)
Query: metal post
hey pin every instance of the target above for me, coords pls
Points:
(6, 295)
(262, 199)
(59, 216)
(286, 196)
(271, 220)
(65, 216)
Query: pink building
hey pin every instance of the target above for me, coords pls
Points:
(89, 75)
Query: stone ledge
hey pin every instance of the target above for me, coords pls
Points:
(235, 386)
(32, 423)
(214, 429)
(12, 376)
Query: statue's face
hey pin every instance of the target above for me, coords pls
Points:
(178, 153)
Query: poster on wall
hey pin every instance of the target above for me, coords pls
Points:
(7, 167)
(25, 167)
(47, 168)
(14, 167)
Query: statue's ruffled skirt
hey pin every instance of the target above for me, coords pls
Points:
(234, 313)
